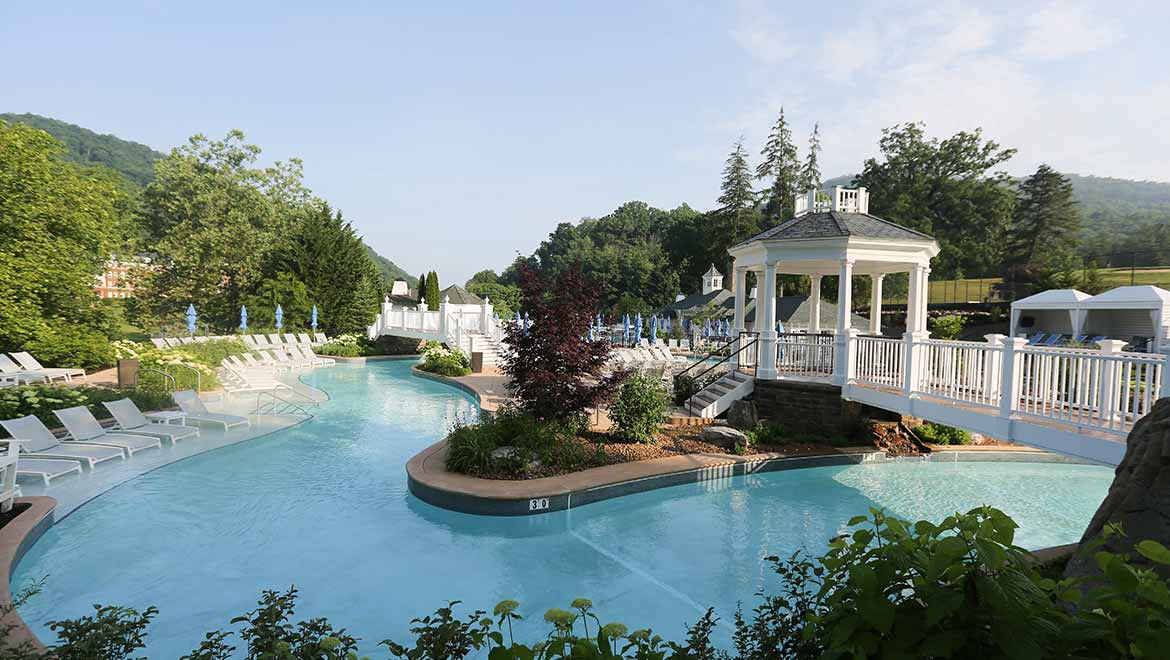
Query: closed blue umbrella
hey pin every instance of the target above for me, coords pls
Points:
(726, 328)
(518, 321)
(279, 317)
(243, 317)
(527, 322)
(314, 323)
(780, 327)
(707, 330)
(654, 330)
(191, 319)
(592, 333)
(638, 328)
(626, 329)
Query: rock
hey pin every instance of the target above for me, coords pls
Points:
(724, 436)
(743, 415)
(506, 452)
(1138, 499)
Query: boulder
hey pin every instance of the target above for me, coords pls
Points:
(724, 436)
(1138, 499)
(507, 452)
(743, 415)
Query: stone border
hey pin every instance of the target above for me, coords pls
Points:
(453, 382)
(15, 539)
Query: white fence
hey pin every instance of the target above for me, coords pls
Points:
(805, 355)
(456, 325)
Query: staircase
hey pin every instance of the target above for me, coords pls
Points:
(483, 343)
(716, 398)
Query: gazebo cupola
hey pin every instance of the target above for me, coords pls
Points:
(712, 280)
(832, 233)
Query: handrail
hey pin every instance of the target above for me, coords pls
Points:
(198, 375)
(174, 383)
(276, 398)
(710, 355)
(755, 339)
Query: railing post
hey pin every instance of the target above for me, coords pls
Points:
(443, 317)
(1010, 376)
(485, 320)
(1107, 396)
(993, 365)
(1164, 390)
(913, 364)
(850, 355)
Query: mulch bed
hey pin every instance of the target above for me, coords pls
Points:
(601, 449)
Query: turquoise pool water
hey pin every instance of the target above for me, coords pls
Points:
(325, 506)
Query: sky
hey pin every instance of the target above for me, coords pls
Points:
(456, 134)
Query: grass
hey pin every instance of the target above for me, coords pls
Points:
(979, 289)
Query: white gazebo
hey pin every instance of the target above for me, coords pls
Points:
(1055, 310)
(832, 234)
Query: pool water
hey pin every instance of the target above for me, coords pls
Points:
(325, 506)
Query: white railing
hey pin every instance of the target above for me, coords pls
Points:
(804, 355)
(880, 361)
(845, 200)
(961, 371)
(1103, 390)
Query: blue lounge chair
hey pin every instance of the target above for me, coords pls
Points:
(1036, 339)
(1054, 340)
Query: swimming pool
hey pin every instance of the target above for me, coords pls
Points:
(324, 505)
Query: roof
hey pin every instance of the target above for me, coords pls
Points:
(711, 272)
(1140, 297)
(1053, 299)
(457, 295)
(835, 224)
(796, 312)
(697, 301)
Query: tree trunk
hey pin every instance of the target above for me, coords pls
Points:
(1138, 499)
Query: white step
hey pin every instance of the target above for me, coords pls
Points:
(717, 397)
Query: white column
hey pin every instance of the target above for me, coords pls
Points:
(737, 324)
(485, 318)
(913, 301)
(1009, 389)
(875, 305)
(844, 322)
(1110, 383)
(923, 299)
(766, 305)
(1165, 389)
(814, 304)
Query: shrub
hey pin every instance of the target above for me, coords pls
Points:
(42, 400)
(941, 434)
(337, 349)
(445, 362)
(686, 386)
(766, 433)
(65, 346)
(470, 446)
(947, 327)
(638, 408)
(549, 441)
(182, 364)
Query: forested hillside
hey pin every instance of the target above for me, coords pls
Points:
(135, 161)
(389, 270)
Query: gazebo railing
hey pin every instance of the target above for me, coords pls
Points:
(804, 354)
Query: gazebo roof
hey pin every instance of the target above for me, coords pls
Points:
(711, 272)
(457, 295)
(1137, 297)
(836, 224)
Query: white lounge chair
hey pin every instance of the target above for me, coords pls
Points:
(260, 341)
(158, 342)
(290, 339)
(672, 344)
(39, 443)
(193, 407)
(17, 373)
(304, 339)
(30, 363)
(131, 420)
(274, 339)
(308, 355)
(84, 427)
(320, 339)
(45, 469)
(684, 345)
(186, 340)
(249, 341)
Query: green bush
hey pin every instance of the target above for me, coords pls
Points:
(42, 400)
(66, 346)
(211, 353)
(941, 434)
(190, 367)
(638, 408)
(766, 433)
(470, 447)
(686, 386)
(336, 349)
(947, 327)
(445, 362)
(551, 442)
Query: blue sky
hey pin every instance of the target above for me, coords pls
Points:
(455, 134)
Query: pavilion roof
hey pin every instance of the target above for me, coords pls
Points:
(835, 224)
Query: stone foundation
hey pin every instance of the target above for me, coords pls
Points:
(814, 408)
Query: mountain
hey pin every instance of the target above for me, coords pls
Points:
(390, 271)
(134, 160)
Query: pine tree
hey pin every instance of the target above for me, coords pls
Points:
(781, 165)
(422, 286)
(736, 199)
(1046, 220)
(433, 301)
(810, 176)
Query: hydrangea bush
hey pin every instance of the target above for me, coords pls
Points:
(444, 361)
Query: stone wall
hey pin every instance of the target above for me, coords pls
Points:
(814, 408)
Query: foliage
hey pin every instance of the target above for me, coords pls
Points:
(555, 369)
(326, 253)
(736, 218)
(432, 291)
(283, 289)
(766, 433)
(24, 649)
(810, 175)
(688, 385)
(941, 434)
(505, 298)
(355, 345)
(946, 327)
(781, 165)
(181, 363)
(638, 408)
(133, 160)
(60, 221)
(1044, 234)
(110, 633)
(531, 439)
(42, 400)
(388, 269)
(945, 189)
(444, 361)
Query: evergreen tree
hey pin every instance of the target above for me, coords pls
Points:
(810, 176)
(736, 198)
(433, 301)
(1041, 251)
(781, 165)
(422, 287)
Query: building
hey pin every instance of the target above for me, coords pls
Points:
(117, 280)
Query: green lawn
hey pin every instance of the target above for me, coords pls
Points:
(978, 290)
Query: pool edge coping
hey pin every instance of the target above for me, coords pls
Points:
(15, 540)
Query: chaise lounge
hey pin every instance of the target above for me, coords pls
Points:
(84, 427)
